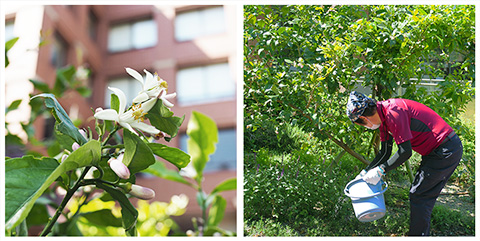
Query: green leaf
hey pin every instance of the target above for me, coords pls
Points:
(27, 178)
(23, 178)
(9, 44)
(13, 106)
(64, 124)
(84, 91)
(217, 211)
(160, 170)
(22, 229)
(138, 155)
(114, 102)
(227, 185)
(103, 217)
(129, 213)
(68, 228)
(212, 230)
(65, 79)
(203, 135)
(173, 155)
(38, 214)
(132, 232)
(13, 140)
(162, 118)
(41, 86)
(64, 141)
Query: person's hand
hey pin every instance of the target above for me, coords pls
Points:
(374, 175)
(361, 174)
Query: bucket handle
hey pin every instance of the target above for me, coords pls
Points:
(346, 191)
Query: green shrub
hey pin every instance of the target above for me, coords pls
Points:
(300, 193)
(447, 222)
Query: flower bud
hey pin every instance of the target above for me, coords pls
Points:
(98, 109)
(75, 146)
(64, 157)
(83, 133)
(142, 192)
(118, 167)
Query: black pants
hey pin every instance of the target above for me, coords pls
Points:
(431, 177)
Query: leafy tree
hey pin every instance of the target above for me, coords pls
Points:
(302, 61)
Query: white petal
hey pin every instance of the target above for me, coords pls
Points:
(170, 96)
(147, 106)
(150, 81)
(121, 98)
(166, 102)
(135, 75)
(108, 114)
(126, 117)
(154, 92)
(126, 125)
(145, 127)
(140, 98)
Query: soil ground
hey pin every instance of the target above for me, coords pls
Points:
(459, 202)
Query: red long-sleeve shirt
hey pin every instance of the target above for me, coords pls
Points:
(408, 120)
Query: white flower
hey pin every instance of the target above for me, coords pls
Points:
(152, 87)
(129, 119)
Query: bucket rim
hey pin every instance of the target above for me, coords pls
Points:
(346, 190)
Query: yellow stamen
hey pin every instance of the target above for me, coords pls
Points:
(138, 112)
(163, 84)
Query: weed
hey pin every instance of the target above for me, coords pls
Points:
(300, 193)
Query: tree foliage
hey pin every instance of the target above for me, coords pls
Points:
(301, 62)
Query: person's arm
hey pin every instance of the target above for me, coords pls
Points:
(374, 175)
(404, 152)
(383, 154)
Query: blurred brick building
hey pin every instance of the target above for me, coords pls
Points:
(193, 48)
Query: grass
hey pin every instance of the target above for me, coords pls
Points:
(300, 193)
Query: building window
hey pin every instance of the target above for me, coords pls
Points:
(205, 84)
(135, 35)
(59, 51)
(129, 86)
(9, 30)
(193, 24)
(225, 155)
(92, 25)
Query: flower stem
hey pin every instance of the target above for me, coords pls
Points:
(117, 127)
(70, 192)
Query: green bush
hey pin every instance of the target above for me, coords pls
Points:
(301, 194)
(447, 222)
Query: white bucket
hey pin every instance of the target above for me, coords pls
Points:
(367, 200)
